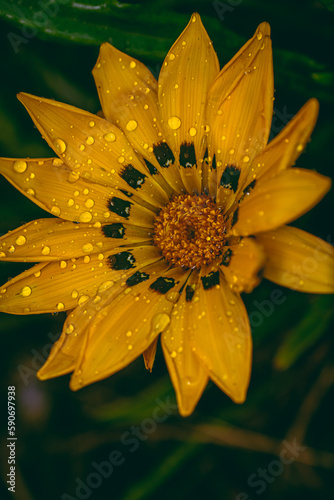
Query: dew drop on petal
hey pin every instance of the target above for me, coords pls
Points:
(85, 217)
(246, 159)
(46, 250)
(131, 125)
(20, 240)
(159, 323)
(26, 291)
(174, 122)
(73, 177)
(192, 131)
(132, 64)
(20, 166)
(91, 123)
(259, 35)
(60, 146)
(55, 210)
(173, 354)
(109, 137)
(90, 140)
(88, 247)
(171, 56)
(105, 286)
(69, 329)
(83, 299)
(60, 306)
(89, 203)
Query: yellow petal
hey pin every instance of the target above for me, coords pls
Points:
(188, 376)
(92, 147)
(59, 286)
(186, 75)
(129, 99)
(279, 200)
(241, 265)
(298, 260)
(240, 105)
(283, 151)
(55, 239)
(221, 334)
(126, 327)
(53, 186)
(149, 355)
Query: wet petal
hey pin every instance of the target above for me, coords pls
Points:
(241, 264)
(298, 260)
(92, 147)
(186, 75)
(149, 355)
(53, 186)
(221, 335)
(188, 376)
(279, 200)
(127, 326)
(129, 99)
(60, 286)
(55, 239)
(240, 106)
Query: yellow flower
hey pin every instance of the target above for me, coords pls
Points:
(166, 210)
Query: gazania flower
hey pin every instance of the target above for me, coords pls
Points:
(167, 208)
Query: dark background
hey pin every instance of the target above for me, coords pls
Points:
(223, 450)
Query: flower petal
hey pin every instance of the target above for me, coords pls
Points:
(240, 106)
(55, 239)
(129, 99)
(283, 151)
(149, 355)
(221, 335)
(59, 286)
(92, 147)
(53, 186)
(188, 376)
(298, 260)
(241, 265)
(186, 75)
(127, 326)
(279, 200)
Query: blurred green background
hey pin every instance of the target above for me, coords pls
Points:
(223, 451)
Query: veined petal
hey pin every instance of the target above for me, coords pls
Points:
(129, 99)
(279, 200)
(126, 327)
(241, 264)
(283, 151)
(53, 186)
(186, 75)
(239, 109)
(60, 286)
(149, 355)
(93, 147)
(298, 260)
(221, 336)
(55, 239)
(188, 376)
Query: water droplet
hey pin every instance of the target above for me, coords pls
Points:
(60, 306)
(173, 296)
(91, 123)
(129, 334)
(20, 166)
(85, 217)
(231, 152)
(82, 147)
(89, 203)
(83, 299)
(75, 294)
(171, 56)
(69, 328)
(300, 147)
(88, 247)
(46, 250)
(90, 140)
(30, 191)
(121, 159)
(105, 286)
(159, 323)
(173, 354)
(20, 240)
(63, 264)
(130, 347)
(192, 131)
(26, 291)
(132, 64)
(174, 122)
(207, 128)
(246, 159)
(109, 137)
(259, 35)
(55, 210)
(131, 125)
(60, 146)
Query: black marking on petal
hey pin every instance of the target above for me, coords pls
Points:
(137, 277)
(151, 168)
(133, 177)
(122, 260)
(163, 285)
(210, 280)
(206, 154)
(214, 163)
(163, 154)
(126, 193)
(120, 207)
(235, 217)
(227, 257)
(230, 177)
(250, 186)
(116, 230)
(190, 290)
(187, 156)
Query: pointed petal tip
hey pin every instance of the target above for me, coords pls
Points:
(263, 29)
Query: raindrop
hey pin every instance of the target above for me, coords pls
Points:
(60, 146)
(20, 166)
(174, 122)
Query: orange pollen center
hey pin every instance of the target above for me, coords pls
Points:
(189, 231)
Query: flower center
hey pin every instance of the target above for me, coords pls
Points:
(189, 231)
